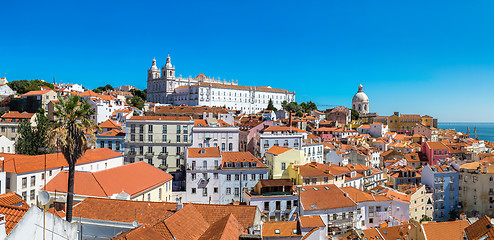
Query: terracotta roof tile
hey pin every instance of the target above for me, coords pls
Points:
(128, 211)
(276, 150)
(479, 228)
(13, 215)
(31, 93)
(311, 221)
(280, 229)
(282, 129)
(13, 199)
(111, 181)
(109, 124)
(139, 233)
(112, 133)
(225, 228)
(206, 152)
(161, 118)
(17, 163)
(325, 197)
(452, 230)
(240, 157)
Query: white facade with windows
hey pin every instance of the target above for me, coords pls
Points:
(279, 136)
(213, 134)
(313, 150)
(164, 87)
(220, 177)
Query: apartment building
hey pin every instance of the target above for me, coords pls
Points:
(443, 180)
(290, 137)
(212, 132)
(476, 188)
(9, 123)
(219, 177)
(158, 140)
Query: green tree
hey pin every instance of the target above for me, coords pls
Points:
(299, 114)
(27, 132)
(139, 93)
(293, 107)
(425, 218)
(103, 88)
(355, 114)
(283, 104)
(136, 101)
(453, 214)
(271, 106)
(74, 134)
(24, 86)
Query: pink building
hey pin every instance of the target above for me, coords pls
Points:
(250, 130)
(435, 152)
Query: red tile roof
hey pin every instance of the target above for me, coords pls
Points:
(13, 199)
(15, 114)
(207, 152)
(280, 229)
(31, 93)
(13, 215)
(325, 197)
(276, 150)
(112, 181)
(311, 221)
(445, 230)
(109, 124)
(112, 133)
(128, 211)
(240, 157)
(161, 118)
(17, 163)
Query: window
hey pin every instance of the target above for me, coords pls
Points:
(266, 206)
(24, 195)
(186, 130)
(164, 129)
(117, 145)
(159, 194)
(204, 192)
(278, 205)
(42, 176)
(33, 181)
(24, 182)
(141, 129)
(228, 177)
(178, 138)
(185, 138)
(149, 196)
(237, 177)
(371, 220)
(150, 138)
(150, 129)
(253, 177)
(193, 176)
(150, 149)
(132, 137)
(110, 145)
(288, 205)
(245, 177)
(223, 147)
(325, 179)
(193, 190)
(141, 138)
(228, 191)
(237, 191)
(378, 208)
(32, 194)
(178, 128)
(215, 190)
(215, 175)
(102, 144)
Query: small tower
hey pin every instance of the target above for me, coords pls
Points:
(168, 70)
(153, 72)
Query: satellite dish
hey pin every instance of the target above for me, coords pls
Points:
(43, 197)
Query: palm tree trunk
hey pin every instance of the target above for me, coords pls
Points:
(70, 191)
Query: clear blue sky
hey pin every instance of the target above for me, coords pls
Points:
(425, 57)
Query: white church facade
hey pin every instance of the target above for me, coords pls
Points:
(164, 87)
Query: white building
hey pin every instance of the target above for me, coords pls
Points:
(219, 177)
(6, 91)
(360, 101)
(104, 107)
(211, 132)
(25, 175)
(164, 87)
(378, 129)
(289, 137)
(313, 150)
(6, 145)
(72, 87)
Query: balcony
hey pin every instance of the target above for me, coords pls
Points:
(163, 166)
(266, 145)
(491, 192)
(163, 155)
(285, 145)
(149, 154)
(131, 153)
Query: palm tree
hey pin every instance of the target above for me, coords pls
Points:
(73, 133)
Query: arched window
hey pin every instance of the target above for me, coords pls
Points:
(230, 147)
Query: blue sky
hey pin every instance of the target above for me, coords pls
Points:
(425, 57)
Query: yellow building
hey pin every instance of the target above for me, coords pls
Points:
(278, 159)
(405, 122)
(137, 181)
(476, 187)
(315, 174)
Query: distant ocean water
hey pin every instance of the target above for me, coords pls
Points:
(485, 131)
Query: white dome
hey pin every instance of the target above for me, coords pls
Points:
(153, 66)
(360, 96)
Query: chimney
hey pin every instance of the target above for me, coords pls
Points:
(179, 204)
(3, 233)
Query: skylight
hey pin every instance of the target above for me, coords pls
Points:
(277, 231)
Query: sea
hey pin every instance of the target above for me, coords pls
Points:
(485, 131)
